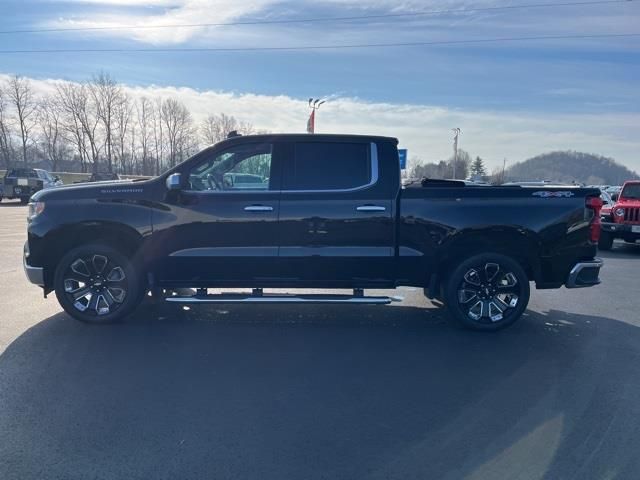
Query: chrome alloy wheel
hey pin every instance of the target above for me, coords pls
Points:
(95, 284)
(488, 293)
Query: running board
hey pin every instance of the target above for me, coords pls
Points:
(282, 298)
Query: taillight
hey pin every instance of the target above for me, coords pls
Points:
(594, 204)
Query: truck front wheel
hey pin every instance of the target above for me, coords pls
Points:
(488, 291)
(97, 284)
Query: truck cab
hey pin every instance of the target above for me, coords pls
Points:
(624, 220)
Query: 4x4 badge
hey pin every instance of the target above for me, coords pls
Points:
(550, 194)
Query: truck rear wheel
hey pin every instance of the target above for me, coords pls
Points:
(488, 291)
(606, 241)
(97, 284)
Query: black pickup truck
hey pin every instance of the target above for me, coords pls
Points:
(308, 211)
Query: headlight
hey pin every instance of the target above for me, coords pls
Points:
(619, 212)
(35, 209)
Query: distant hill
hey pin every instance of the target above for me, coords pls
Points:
(571, 167)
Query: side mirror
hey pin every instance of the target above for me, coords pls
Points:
(615, 197)
(56, 178)
(174, 181)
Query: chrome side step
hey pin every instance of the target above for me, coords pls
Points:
(281, 298)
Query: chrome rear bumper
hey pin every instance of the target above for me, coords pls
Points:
(585, 274)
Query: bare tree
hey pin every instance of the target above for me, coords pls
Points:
(497, 176)
(82, 120)
(21, 96)
(50, 122)
(80, 126)
(144, 117)
(71, 126)
(6, 145)
(216, 128)
(158, 135)
(462, 165)
(178, 127)
(107, 96)
(122, 112)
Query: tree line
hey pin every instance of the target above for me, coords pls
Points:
(96, 126)
(461, 167)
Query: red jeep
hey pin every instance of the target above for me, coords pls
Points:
(624, 221)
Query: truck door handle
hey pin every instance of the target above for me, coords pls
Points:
(370, 208)
(258, 208)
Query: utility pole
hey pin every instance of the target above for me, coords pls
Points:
(457, 133)
(313, 105)
(504, 166)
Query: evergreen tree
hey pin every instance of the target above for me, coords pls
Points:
(477, 168)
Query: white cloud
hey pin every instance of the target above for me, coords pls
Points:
(425, 130)
(553, 20)
(176, 12)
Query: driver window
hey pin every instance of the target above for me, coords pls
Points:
(242, 167)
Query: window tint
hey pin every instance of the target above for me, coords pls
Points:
(243, 167)
(328, 166)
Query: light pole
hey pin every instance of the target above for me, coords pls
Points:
(313, 105)
(457, 133)
(504, 166)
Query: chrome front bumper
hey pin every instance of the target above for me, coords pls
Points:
(34, 274)
(585, 274)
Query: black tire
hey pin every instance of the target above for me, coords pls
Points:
(486, 292)
(94, 290)
(606, 241)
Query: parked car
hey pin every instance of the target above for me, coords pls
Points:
(23, 182)
(607, 205)
(103, 177)
(332, 215)
(624, 219)
(244, 181)
(614, 191)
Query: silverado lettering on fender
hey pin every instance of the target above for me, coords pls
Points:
(308, 211)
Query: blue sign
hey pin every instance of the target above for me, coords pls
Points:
(402, 154)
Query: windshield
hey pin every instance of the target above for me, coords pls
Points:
(631, 191)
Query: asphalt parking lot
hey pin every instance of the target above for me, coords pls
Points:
(311, 392)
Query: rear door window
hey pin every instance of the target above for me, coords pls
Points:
(320, 166)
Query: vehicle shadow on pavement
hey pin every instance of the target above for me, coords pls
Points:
(622, 250)
(12, 203)
(320, 392)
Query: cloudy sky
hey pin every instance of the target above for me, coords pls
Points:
(511, 99)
